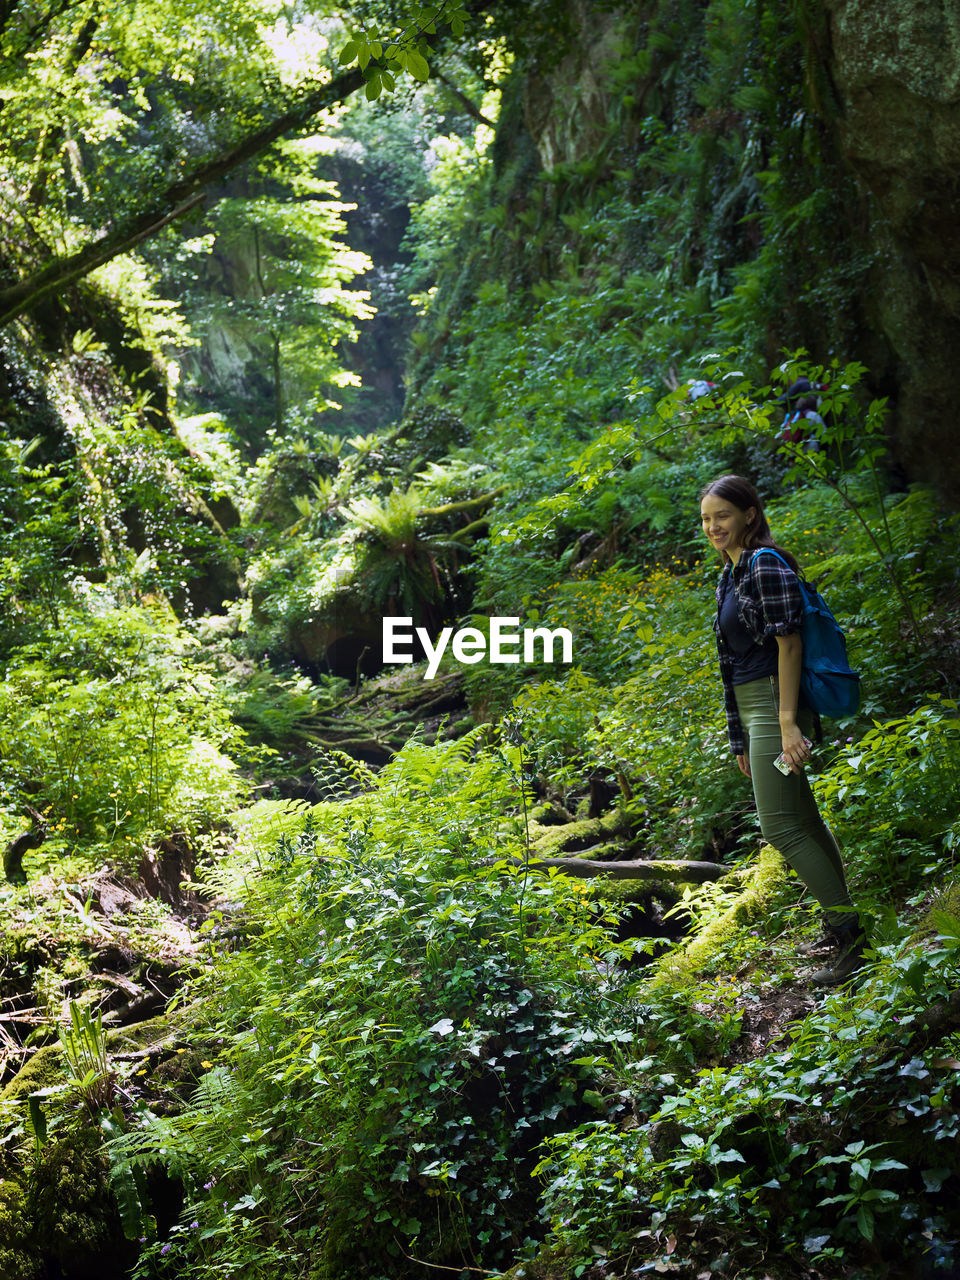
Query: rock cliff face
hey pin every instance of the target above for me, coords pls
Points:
(884, 83)
(897, 78)
(566, 110)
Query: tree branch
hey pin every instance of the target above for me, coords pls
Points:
(470, 107)
(468, 504)
(175, 202)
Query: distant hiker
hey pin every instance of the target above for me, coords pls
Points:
(700, 388)
(801, 401)
(797, 391)
(759, 613)
(800, 426)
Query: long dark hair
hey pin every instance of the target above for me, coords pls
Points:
(741, 494)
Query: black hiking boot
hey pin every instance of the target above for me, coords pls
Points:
(852, 942)
(827, 940)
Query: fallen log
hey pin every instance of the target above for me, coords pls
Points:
(373, 746)
(669, 869)
(135, 1010)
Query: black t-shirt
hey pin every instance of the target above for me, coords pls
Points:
(750, 661)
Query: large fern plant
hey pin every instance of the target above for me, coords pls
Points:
(403, 566)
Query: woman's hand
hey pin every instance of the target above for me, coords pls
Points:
(795, 750)
(744, 764)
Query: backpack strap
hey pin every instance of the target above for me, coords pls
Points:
(770, 551)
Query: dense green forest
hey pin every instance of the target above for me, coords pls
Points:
(320, 965)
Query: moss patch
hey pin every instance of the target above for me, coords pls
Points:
(549, 1265)
(634, 891)
(15, 1262)
(181, 1071)
(72, 1209)
(575, 837)
(141, 1035)
(44, 1069)
(762, 883)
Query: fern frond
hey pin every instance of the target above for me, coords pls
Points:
(474, 739)
(342, 770)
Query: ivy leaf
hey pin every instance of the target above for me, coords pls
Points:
(813, 1244)
(915, 1068)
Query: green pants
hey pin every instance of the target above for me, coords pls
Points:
(789, 817)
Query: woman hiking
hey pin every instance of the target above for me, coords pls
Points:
(759, 615)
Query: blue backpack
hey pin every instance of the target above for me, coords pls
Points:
(827, 684)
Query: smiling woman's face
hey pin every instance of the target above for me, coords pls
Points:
(725, 524)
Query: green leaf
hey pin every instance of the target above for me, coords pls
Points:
(933, 1179)
(127, 1193)
(37, 1119)
(417, 66)
(348, 52)
(373, 89)
(948, 925)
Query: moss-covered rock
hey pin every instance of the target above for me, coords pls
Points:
(41, 1071)
(75, 1222)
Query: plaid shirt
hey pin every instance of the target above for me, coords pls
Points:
(768, 604)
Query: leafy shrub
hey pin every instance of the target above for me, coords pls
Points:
(830, 1149)
(399, 1040)
(280, 709)
(892, 793)
(114, 733)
